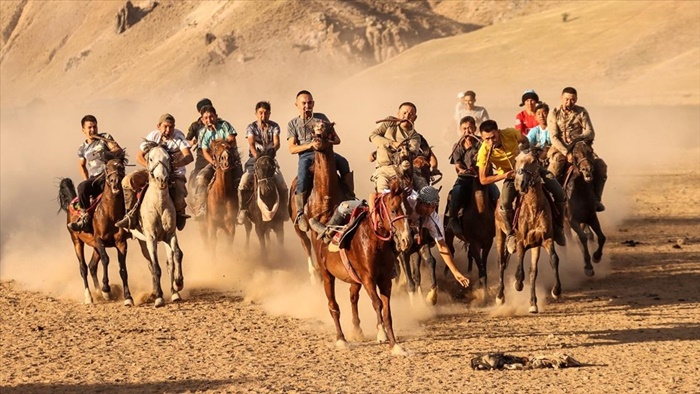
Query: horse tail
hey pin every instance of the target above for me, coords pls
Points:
(66, 193)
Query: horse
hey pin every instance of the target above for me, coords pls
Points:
(157, 223)
(108, 210)
(478, 228)
(264, 204)
(222, 198)
(580, 206)
(371, 252)
(533, 229)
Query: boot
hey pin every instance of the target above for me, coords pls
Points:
(349, 182)
(283, 210)
(558, 222)
(129, 219)
(243, 197)
(300, 220)
(598, 186)
(337, 219)
(454, 224)
(507, 216)
(200, 203)
(84, 223)
(317, 226)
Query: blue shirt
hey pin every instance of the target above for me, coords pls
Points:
(222, 130)
(539, 138)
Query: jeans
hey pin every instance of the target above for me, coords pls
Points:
(91, 187)
(306, 161)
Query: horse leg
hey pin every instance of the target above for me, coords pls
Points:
(80, 254)
(248, 229)
(174, 267)
(405, 258)
(481, 254)
(432, 264)
(121, 256)
(519, 270)
(333, 308)
(502, 263)
(583, 245)
(416, 260)
(260, 232)
(100, 248)
(554, 262)
(152, 248)
(92, 266)
(385, 304)
(356, 334)
(535, 255)
(312, 267)
(595, 226)
(471, 256)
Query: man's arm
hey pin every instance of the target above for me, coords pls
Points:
(588, 133)
(186, 159)
(295, 148)
(251, 146)
(449, 262)
(487, 180)
(378, 136)
(555, 132)
(83, 168)
(276, 142)
(433, 160)
(141, 158)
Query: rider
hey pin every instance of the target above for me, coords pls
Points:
(500, 149)
(300, 134)
(463, 157)
(263, 138)
(423, 214)
(568, 122)
(92, 155)
(177, 145)
(466, 107)
(539, 135)
(526, 119)
(214, 129)
(194, 137)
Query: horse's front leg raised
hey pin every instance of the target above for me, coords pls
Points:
(548, 245)
(535, 255)
(595, 225)
(356, 334)
(333, 308)
(100, 248)
(121, 256)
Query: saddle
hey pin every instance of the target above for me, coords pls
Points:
(341, 237)
(75, 205)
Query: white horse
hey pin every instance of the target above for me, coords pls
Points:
(157, 223)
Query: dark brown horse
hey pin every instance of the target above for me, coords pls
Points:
(371, 251)
(105, 234)
(581, 202)
(533, 228)
(264, 203)
(222, 198)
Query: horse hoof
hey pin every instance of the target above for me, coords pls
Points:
(128, 302)
(105, 295)
(87, 298)
(556, 293)
(597, 257)
(397, 350)
(381, 334)
(432, 297)
(159, 302)
(357, 336)
(178, 285)
(175, 297)
(500, 300)
(341, 344)
(533, 309)
(589, 272)
(518, 285)
(410, 298)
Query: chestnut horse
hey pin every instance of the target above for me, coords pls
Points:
(264, 203)
(371, 251)
(581, 202)
(533, 228)
(222, 198)
(105, 234)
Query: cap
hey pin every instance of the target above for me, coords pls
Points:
(166, 117)
(529, 94)
(429, 195)
(202, 103)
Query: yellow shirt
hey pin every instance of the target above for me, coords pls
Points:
(503, 158)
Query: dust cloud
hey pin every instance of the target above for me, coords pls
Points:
(36, 252)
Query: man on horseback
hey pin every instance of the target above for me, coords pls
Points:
(300, 135)
(176, 144)
(214, 129)
(568, 123)
(463, 157)
(539, 135)
(194, 136)
(263, 139)
(500, 148)
(392, 133)
(91, 161)
(526, 119)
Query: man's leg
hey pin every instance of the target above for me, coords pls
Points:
(178, 191)
(553, 186)
(340, 216)
(203, 179)
(245, 192)
(346, 175)
(382, 176)
(131, 184)
(86, 189)
(494, 193)
(283, 192)
(304, 183)
(557, 164)
(458, 199)
(508, 194)
(600, 176)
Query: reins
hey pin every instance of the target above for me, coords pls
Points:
(379, 215)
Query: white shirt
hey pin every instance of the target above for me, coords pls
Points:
(174, 145)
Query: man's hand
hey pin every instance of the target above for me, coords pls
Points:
(509, 175)
(316, 144)
(570, 158)
(461, 279)
(373, 156)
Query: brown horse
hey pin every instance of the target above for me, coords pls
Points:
(581, 202)
(371, 251)
(264, 204)
(222, 198)
(105, 234)
(533, 228)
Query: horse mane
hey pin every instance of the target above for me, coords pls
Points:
(66, 194)
(148, 145)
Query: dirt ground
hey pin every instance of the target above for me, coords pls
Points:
(635, 327)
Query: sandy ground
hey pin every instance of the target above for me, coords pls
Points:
(634, 327)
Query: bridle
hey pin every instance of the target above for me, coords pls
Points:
(380, 215)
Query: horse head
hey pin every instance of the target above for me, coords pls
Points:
(158, 161)
(395, 220)
(114, 173)
(264, 170)
(222, 153)
(323, 132)
(583, 160)
(527, 172)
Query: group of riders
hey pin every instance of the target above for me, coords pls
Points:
(483, 153)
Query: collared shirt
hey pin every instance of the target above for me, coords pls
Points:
(222, 130)
(525, 121)
(174, 145)
(539, 137)
(264, 139)
(388, 133)
(566, 125)
(503, 157)
(466, 157)
(480, 114)
(304, 130)
(431, 223)
(94, 154)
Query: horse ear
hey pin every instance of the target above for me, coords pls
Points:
(148, 146)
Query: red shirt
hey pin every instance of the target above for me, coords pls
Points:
(524, 122)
